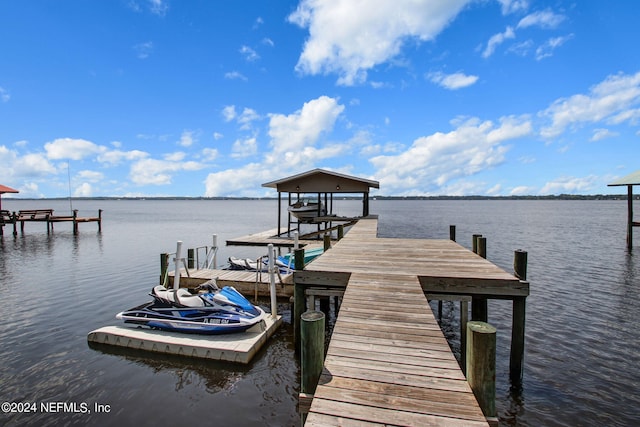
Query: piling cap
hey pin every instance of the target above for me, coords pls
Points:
(312, 315)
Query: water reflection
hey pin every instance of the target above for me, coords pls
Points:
(215, 375)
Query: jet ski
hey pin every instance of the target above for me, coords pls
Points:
(214, 312)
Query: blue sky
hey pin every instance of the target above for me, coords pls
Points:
(214, 98)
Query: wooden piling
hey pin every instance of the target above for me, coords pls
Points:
(299, 298)
(340, 231)
(516, 362)
(479, 305)
(464, 319)
(481, 365)
(474, 242)
(452, 232)
(190, 257)
(312, 351)
(164, 263)
(327, 242)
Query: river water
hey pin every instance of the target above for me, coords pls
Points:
(582, 329)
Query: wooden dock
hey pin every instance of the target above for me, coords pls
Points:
(248, 283)
(388, 362)
(44, 215)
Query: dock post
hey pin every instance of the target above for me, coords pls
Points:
(464, 319)
(99, 220)
(327, 242)
(474, 242)
(312, 352)
(272, 281)
(190, 257)
(481, 365)
(15, 224)
(516, 361)
(629, 217)
(299, 298)
(479, 305)
(75, 222)
(164, 261)
(177, 261)
(340, 231)
(452, 232)
(214, 248)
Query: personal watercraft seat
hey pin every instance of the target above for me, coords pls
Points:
(180, 296)
(184, 297)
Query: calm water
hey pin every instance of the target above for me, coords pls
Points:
(582, 332)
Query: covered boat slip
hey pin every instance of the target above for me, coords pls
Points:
(388, 362)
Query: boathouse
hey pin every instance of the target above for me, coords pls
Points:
(629, 180)
(321, 184)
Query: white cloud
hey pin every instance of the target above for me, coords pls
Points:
(178, 156)
(521, 190)
(568, 185)
(496, 40)
(546, 49)
(599, 134)
(512, 6)
(159, 172)
(32, 165)
(294, 146)
(452, 81)
(229, 113)
(434, 162)
(350, 37)
(83, 190)
(247, 117)
(304, 127)
(158, 7)
(544, 19)
(209, 154)
(187, 138)
(72, 149)
(613, 98)
(235, 75)
(249, 54)
(92, 176)
(115, 157)
(244, 148)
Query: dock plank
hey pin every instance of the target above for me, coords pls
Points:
(388, 362)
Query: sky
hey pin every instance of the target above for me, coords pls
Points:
(136, 98)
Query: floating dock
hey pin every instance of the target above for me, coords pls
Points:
(239, 347)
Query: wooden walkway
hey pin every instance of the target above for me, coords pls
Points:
(267, 237)
(388, 362)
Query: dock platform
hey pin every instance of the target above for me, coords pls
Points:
(246, 282)
(240, 347)
(388, 362)
(47, 216)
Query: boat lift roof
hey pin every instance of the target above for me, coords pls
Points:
(631, 179)
(322, 181)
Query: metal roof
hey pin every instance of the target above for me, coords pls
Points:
(5, 189)
(631, 179)
(322, 181)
